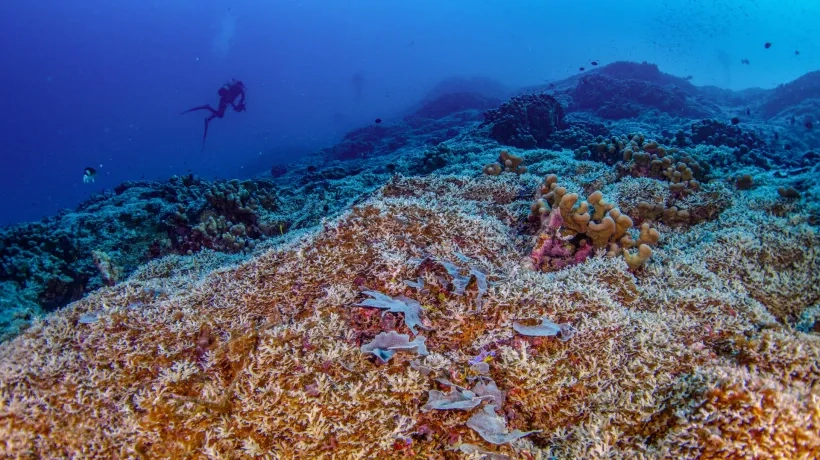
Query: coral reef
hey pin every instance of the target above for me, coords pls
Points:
(362, 142)
(627, 90)
(525, 121)
(684, 200)
(266, 357)
(388, 298)
(435, 121)
(60, 259)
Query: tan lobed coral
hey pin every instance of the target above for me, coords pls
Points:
(569, 234)
(507, 162)
(263, 359)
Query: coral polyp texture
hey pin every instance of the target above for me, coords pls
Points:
(535, 286)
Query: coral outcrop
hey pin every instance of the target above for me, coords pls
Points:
(617, 99)
(569, 234)
(507, 162)
(789, 95)
(714, 132)
(525, 121)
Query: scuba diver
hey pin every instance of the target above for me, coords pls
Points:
(228, 94)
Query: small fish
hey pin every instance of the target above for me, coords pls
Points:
(776, 136)
(744, 61)
(735, 120)
(787, 147)
(767, 45)
(581, 69)
(594, 62)
(748, 112)
(89, 175)
(378, 120)
(808, 124)
(797, 52)
(688, 77)
(792, 120)
(89, 318)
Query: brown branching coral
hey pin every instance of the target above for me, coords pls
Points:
(774, 259)
(741, 412)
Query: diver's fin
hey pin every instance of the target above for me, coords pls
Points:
(201, 107)
(205, 134)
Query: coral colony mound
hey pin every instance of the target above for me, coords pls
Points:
(617, 265)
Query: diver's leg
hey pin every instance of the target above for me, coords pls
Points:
(220, 112)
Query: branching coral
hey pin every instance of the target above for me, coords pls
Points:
(746, 414)
(265, 358)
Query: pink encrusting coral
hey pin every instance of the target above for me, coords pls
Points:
(552, 246)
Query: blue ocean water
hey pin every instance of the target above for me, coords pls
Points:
(101, 84)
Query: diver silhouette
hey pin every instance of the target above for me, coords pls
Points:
(227, 95)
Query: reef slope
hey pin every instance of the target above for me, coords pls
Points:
(684, 358)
